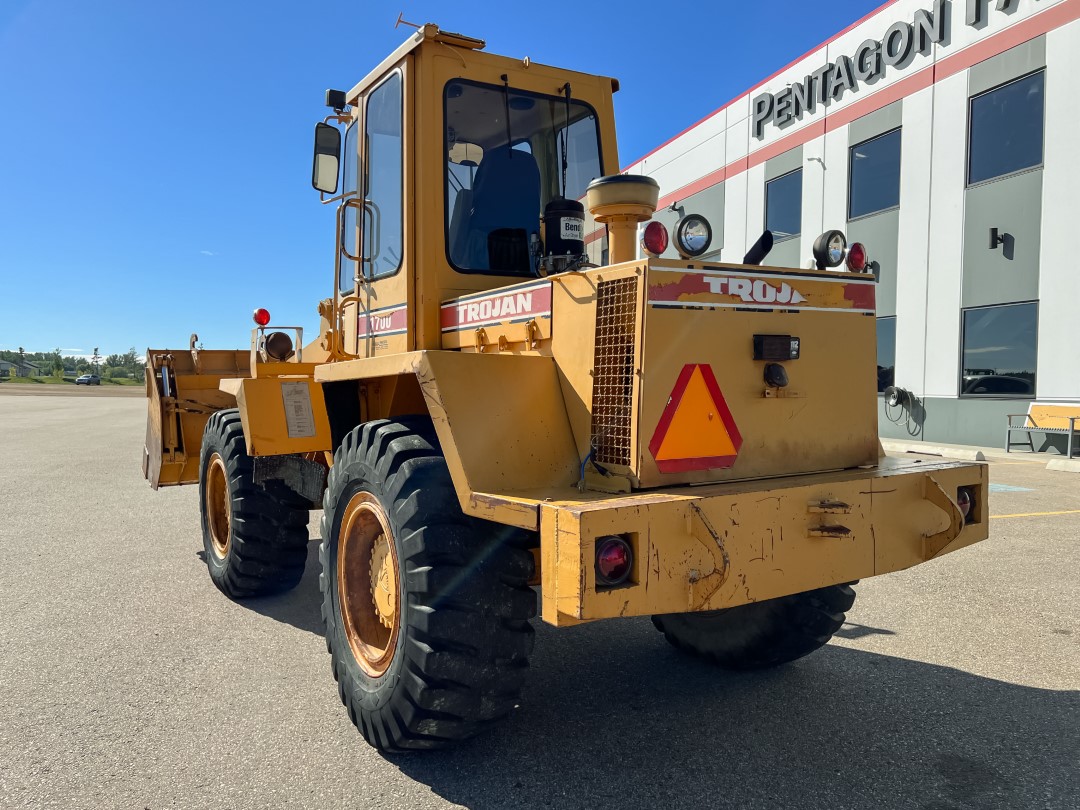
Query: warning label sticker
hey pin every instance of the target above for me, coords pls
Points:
(298, 416)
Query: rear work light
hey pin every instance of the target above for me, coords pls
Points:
(279, 346)
(829, 249)
(655, 239)
(614, 561)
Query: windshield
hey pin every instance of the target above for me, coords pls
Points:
(502, 170)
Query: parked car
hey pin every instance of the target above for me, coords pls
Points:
(998, 384)
(88, 379)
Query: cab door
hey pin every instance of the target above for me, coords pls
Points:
(373, 260)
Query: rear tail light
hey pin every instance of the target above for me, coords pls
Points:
(655, 239)
(261, 316)
(614, 561)
(965, 499)
(857, 259)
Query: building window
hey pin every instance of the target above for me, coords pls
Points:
(886, 353)
(783, 205)
(874, 181)
(1006, 132)
(999, 353)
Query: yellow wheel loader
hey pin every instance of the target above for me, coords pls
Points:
(513, 403)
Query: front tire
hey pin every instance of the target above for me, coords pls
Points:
(254, 536)
(761, 634)
(427, 610)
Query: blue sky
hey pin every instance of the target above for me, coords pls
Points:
(155, 157)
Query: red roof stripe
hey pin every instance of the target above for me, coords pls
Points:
(766, 80)
(1036, 25)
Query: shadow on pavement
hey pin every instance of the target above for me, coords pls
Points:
(301, 606)
(612, 717)
(853, 631)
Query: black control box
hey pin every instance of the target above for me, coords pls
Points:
(776, 347)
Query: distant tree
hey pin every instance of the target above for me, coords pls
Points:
(96, 358)
(134, 364)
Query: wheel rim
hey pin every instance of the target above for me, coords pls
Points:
(367, 583)
(218, 507)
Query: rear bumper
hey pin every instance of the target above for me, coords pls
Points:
(706, 548)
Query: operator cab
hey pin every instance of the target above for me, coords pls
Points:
(461, 172)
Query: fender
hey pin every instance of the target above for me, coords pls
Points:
(510, 430)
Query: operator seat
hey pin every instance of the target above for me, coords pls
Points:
(505, 212)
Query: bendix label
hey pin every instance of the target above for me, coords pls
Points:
(571, 228)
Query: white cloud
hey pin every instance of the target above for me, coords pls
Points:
(207, 253)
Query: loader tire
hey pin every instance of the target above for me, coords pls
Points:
(255, 536)
(426, 610)
(761, 634)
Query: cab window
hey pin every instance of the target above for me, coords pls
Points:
(383, 226)
(505, 155)
(350, 182)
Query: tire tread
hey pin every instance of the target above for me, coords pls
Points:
(268, 547)
(760, 635)
(468, 606)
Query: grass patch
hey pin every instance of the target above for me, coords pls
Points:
(65, 381)
(36, 381)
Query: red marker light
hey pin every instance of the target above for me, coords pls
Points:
(655, 238)
(261, 316)
(857, 260)
(965, 500)
(614, 561)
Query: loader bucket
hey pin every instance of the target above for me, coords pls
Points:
(182, 392)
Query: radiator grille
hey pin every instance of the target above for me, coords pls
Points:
(613, 370)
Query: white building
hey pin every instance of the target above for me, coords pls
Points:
(943, 135)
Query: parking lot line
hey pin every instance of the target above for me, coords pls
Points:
(1037, 514)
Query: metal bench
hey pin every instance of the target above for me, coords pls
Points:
(1056, 420)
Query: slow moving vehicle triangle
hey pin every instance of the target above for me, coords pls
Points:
(696, 430)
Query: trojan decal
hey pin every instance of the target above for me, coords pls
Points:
(755, 290)
(508, 305)
(732, 289)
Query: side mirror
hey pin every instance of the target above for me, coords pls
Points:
(324, 169)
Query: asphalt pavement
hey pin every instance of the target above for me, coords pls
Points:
(127, 680)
